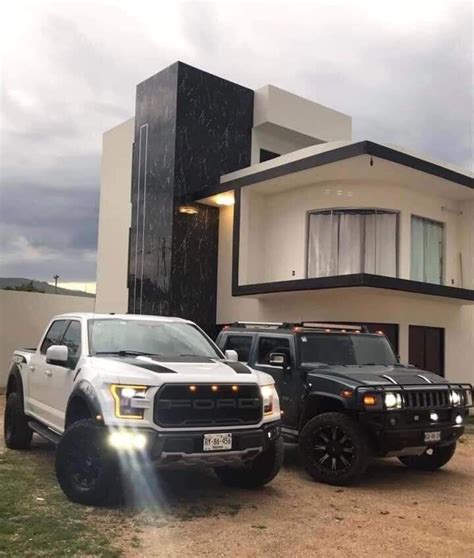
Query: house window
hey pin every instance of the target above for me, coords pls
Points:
(345, 241)
(426, 250)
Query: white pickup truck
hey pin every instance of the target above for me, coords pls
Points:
(103, 385)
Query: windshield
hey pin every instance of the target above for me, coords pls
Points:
(149, 337)
(332, 348)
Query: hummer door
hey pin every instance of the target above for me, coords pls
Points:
(286, 382)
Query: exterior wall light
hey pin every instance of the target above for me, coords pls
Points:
(225, 199)
(188, 209)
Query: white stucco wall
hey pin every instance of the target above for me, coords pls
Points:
(24, 317)
(277, 226)
(114, 218)
(352, 305)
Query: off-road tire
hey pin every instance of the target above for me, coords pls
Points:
(347, 442)
(258, 472)
(17, 433)
(86, 467)
(430, 462)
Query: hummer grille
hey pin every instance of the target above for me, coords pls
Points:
(427, 399)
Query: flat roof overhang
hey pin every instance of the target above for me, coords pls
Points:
(356, 280)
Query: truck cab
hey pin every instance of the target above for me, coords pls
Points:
(345, 397)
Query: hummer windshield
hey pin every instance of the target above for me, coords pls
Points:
(346, 349)
(150, 338)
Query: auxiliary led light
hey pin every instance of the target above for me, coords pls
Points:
(458, 419)
(434, 417)
(127, 441)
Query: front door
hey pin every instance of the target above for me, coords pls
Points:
(426, 348)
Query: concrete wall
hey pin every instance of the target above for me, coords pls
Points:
(23, 317)
(277, 226)
(114, 218)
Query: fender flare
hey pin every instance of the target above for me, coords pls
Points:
(14, 375)
(312, 399)
(86, 392)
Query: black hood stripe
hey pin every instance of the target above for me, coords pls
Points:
(237, 367)
(152, 366)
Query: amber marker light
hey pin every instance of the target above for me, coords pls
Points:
(370, 400)
(192, 388)
(214, 388)
(346, 393)
(235, 388)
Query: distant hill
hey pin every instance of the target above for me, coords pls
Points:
(13, 283)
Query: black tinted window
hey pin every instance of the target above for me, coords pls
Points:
(72, 340)
(54, 335)
(268, 345)
(332, 348)
(241, 344)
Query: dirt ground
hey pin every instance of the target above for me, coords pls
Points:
(392, 512)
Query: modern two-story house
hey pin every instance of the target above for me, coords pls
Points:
(220, 203)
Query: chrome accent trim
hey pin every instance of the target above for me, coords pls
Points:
(386, 376)
(424, 378)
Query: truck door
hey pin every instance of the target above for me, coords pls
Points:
(286, 381)
(60, 379)
(38, 381)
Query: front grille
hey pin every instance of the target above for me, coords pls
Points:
(180, 405)
(427, 399)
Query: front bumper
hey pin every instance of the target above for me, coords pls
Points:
(186, 447)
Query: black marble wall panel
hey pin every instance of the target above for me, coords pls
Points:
(153, 194)
(190, 128)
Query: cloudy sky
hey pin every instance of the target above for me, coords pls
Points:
(403, 70)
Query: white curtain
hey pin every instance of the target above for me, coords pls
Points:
(385, 244)
(322, 245)
(346, 242)
(350, 243)
(426, 250)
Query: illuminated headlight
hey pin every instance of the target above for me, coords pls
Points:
(127, 440)
(126, 399)
(456, 398)
(270, 399)
(393, 401)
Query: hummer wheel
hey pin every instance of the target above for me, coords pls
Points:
(334, 449)
(431, 459)
(86, 467)
(17, 433)
(258, 472)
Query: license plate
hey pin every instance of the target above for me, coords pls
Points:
(217, 442)
(432, 436)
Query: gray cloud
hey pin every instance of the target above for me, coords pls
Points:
(404, 73)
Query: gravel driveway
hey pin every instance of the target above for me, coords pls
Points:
(392, 512)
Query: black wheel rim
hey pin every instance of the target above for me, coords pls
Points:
(332, 450)
(84, 465)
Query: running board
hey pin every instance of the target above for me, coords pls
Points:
(45, 432)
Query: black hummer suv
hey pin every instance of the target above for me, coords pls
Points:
(345, 397)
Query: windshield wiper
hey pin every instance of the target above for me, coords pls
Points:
(126, 352)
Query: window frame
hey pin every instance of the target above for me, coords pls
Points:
(443, 248)
(45, 336)
(74, 359)
(239, 334)
(262, 336)
(348, 209)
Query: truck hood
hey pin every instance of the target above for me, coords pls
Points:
(157, 371)
(379, 375)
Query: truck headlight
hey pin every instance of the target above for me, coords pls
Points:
(456, 398)
(393, 400)
(127, 400)
(270, 397)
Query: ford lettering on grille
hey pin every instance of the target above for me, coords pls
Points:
(206, 405)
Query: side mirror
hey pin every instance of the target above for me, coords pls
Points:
(57, 355)
(231, 355)
(278, 359)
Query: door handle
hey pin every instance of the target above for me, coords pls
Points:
(48, 373)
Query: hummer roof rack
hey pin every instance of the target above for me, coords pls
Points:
(319, 326)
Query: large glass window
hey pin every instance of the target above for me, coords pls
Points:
(348, 241)
(426, 250)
